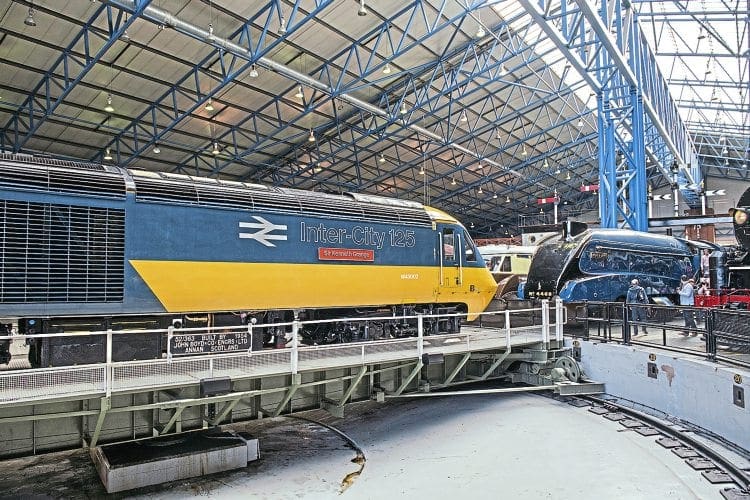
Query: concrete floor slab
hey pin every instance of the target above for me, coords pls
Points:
(478, 447)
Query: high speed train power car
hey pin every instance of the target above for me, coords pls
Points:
(95, 247)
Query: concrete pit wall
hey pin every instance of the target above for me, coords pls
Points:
(694, 390)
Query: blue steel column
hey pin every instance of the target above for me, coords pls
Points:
(633, 102)
(638, 187)
(622, 184)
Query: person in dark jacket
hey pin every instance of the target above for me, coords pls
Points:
(637, 295)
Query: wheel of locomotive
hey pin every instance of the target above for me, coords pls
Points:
(570, 366)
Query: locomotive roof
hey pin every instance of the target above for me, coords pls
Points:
(26, 172)
(633, 240)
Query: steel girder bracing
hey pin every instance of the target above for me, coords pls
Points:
(467, 73)
(339, 78)
(67, 71)
(431, 90)
(637, 117)
(234, 55)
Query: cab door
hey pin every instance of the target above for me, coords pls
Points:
(450, 257)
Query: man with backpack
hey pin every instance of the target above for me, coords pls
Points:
(637, 295)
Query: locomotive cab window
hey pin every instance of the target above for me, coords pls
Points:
(449, 245)
(470, 250)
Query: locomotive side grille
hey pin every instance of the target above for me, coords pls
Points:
(73, 181)
(96, 183)
(23, 176)
(161, 190)
(183, 189)
(224, 196)
(49, 162)
(328, 205)
(398, 214)
(276, 201)
(61, 253)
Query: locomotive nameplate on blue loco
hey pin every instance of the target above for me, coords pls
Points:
(200, 343)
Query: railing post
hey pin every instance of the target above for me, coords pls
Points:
(420, 336)
(545, 323)
(170, 333)
(710, 334)
(109, 372)
(250, 338)
(295, 347)
(559, 319)
(507, 329)
(625, 324)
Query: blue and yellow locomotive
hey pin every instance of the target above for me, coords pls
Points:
(94, 247)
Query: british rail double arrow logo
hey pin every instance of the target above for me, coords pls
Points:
(264, 228)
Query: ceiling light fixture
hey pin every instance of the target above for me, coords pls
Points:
(464, 118)
(480, 27)
(701, 35)
(523, 152)
(282, 25)
(362, 10)
(545, 164)
(421, 171)
(580, 123)
(215, 151)
(108, 108)
(157, 149)
(567, 176)
(210, 32)
(29, 21)
(108, 154)
(453, 181)
(209, 105)
(494, 196)
(311, 137)
(253, 71)
(503, 70)
(382, 158)
(317, 168)
(479, 165)
(403, 108)
(497, 134)
(479, 191)
(387, 69)
(507, 199)
(300, 94)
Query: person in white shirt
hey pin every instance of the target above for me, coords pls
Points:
(687, 298)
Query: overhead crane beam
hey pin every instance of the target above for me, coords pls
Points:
(634, 105)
